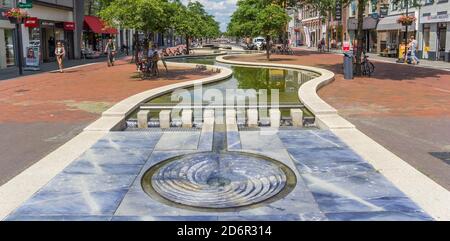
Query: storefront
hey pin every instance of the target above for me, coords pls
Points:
(312, 31)
(45, 34)
(7, 37)
(49, 24)
(391, 35)
(370, 33)
(96, 34)
(433, 37)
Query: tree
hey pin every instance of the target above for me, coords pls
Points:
(141, 15)
(271, 22)
(256, 17)
(243, 20)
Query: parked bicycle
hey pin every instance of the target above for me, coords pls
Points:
(367, 67)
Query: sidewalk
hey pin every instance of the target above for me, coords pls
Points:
(13, 72)
(440, 65)
(405, 110)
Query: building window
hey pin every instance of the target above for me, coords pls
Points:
(6, 3)
(429, 2)
(352, 9)
(373, 6)
(426, 14)
(9, 45)
(442, 1)
(442, 13)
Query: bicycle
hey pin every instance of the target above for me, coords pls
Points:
(367, 67)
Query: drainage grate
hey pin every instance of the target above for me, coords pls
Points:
(444, 156)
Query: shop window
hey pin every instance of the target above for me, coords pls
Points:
(352, 9)
(9, 44)
(373, 6)
(426, 41)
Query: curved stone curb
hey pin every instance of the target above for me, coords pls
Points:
(430, 196)
(114, 118)
(23, 186)
(326, 116)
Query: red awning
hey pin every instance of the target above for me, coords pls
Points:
(97, 25)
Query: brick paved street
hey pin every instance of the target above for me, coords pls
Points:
(43, 111)
(404, 108)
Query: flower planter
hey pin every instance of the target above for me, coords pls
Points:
(14, 20)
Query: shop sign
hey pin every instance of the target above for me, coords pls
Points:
(69, 26)
(47, 24)
(27, 4)
(435, 18)
(32, 22)
(32, 58)
(338, 11)
(346, 46)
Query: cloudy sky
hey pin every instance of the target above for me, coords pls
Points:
(221, 9)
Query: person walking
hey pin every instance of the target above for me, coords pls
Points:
(110, 50)
(60, 52)
(412, 47)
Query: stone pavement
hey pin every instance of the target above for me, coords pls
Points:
(42, 111)
(13, 72)
(441, 65)
(404, 108)
(106, 182)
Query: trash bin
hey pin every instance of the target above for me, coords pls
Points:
(348, 65)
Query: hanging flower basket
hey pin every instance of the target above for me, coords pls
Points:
(406, 20)
(16, 15)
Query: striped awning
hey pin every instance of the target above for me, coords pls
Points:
(390, 23)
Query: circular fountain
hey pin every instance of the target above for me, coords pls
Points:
(220, 181)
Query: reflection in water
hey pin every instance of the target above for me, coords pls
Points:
(255, 82)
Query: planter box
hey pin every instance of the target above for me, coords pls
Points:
(16, 20)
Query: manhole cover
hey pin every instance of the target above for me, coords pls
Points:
(218, 180)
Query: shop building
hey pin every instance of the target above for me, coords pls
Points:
(370, 22)
(313, 29)
(434, 30)
(391, 34)
(7, 37)
(294, 27)
(54, 21)
(96, 34)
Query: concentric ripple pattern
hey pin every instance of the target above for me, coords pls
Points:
(218, 180)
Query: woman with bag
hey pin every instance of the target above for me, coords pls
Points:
(60, 52)
(110, 50)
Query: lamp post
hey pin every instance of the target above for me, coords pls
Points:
(406, 30)
(19, 47)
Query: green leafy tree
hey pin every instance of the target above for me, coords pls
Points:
(256, 17)
(242, 23)
(270, 23)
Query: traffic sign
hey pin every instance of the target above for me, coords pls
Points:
(27, 4)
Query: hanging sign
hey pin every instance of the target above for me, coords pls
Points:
(32, 22)
(69, 26)
(338, 11)
(27, 4)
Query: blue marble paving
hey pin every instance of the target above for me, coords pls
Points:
(333, 182)
(233, 140)
(206, 140)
